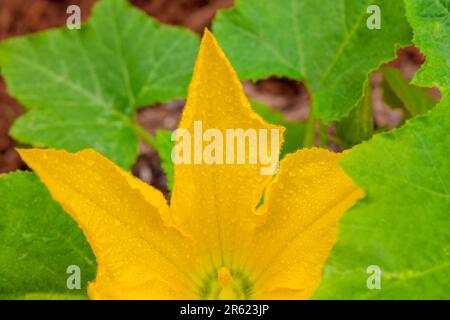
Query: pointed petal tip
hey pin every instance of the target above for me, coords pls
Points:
(34, 156)
(26, 153)
(207, 35)
(209, 43)
(206, 32)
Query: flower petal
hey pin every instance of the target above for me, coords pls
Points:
(216, 202)
(138, 255)
(301, 211)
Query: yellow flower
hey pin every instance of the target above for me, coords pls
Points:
(213, 242)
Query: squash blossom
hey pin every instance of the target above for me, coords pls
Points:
(215, 240)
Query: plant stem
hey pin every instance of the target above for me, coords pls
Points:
(323, 135)
(310, 131)
(146, 136)
(334, 139)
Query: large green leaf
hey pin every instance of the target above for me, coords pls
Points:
(82, 86)
(430, 20)
(402, 225)
(38, 241)
(325, 43)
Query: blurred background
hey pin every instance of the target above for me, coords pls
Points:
(290, 97)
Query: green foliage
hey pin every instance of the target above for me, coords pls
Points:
(325, 43)
(82, 87)
(430, 20)
(38, 241)
(402, 225)
(358, 125)
(399, 93)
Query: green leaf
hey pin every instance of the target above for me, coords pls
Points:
(293, 136)
(402, 225)
(325, 43)
(358, 125)
(82, 87)
(164, 145)
(430, 20)
(38, 241)
(413, 99)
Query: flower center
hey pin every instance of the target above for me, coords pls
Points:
(226, 284)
